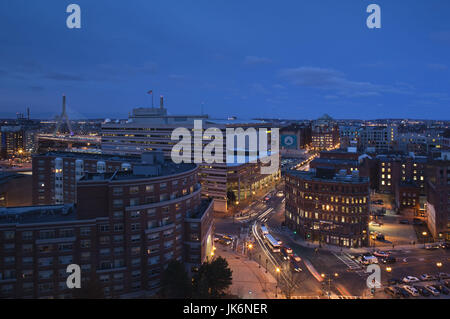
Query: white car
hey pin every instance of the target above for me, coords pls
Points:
(426, 277)
(410, 279)
(433, 290)
(411, 290)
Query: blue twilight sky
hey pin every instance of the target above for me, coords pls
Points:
(287, 59)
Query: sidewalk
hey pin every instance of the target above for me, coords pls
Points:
(337, 249)
(249, 280)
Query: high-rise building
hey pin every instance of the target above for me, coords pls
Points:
(12, 141)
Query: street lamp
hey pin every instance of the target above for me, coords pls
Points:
(276, 287)
(388, 269)
(329, 278)
(424, 234)
(439, 264)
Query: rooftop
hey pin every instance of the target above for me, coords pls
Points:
(91, 156)
(311, 175)
(37, 214)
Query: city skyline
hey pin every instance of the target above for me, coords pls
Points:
(225, 59)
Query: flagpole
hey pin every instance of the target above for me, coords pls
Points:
(152, 99)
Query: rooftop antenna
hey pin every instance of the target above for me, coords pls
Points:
(63, 118)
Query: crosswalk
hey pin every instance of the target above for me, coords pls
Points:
(350, 263)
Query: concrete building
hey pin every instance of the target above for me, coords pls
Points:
(149, 129)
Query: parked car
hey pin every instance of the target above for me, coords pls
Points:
(410, 279)
(426, 277)
(394, 281)
(442, 289)
(402, 292)
(447, 283)
(411, 290)
(391, 291)
(433, 290)
(423, 291)
(444, 275)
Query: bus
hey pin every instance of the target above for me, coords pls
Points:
(264, 230)
(272, 243)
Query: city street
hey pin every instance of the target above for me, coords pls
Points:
(323, 269)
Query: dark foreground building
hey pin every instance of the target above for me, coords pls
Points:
(328, 207)
(126, 227)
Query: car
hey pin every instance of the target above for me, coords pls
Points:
(381, 254)
(388, 260)
(295, 266)
(375, 224)
(390, 291)
(394, 281)
(402, 292)
(447, 283)
(284, 254)
(433, 290)
(404, 221)
(444, 245)
(216, 239)
(295, 257)
(442, 289)
(444, 275)
(380, 237)
(410, 279)
(417, 221)
(423, 291)
(431, 246)
(288, 250)
(411, 290)
(426, 277)
(280, 194)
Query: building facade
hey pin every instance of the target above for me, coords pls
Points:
(327, 207)
(124, 230)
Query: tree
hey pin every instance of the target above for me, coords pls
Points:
(288, 283)
(212, 279)
(175, 282)
(91, 289)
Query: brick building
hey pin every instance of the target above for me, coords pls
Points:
(328, 207)
(125, 228)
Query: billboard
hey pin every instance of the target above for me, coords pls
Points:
(289, 141)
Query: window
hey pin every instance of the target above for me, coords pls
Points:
(85, 231)
(27, 235)
(134, 189)
(8, 235)
(149, 188)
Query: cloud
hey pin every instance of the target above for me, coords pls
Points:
(437, 66)
(256, 60)
(333, 80)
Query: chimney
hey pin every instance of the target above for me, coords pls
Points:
(161, 102)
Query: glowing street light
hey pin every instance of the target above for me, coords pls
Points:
(388, 269)
(439, 264)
